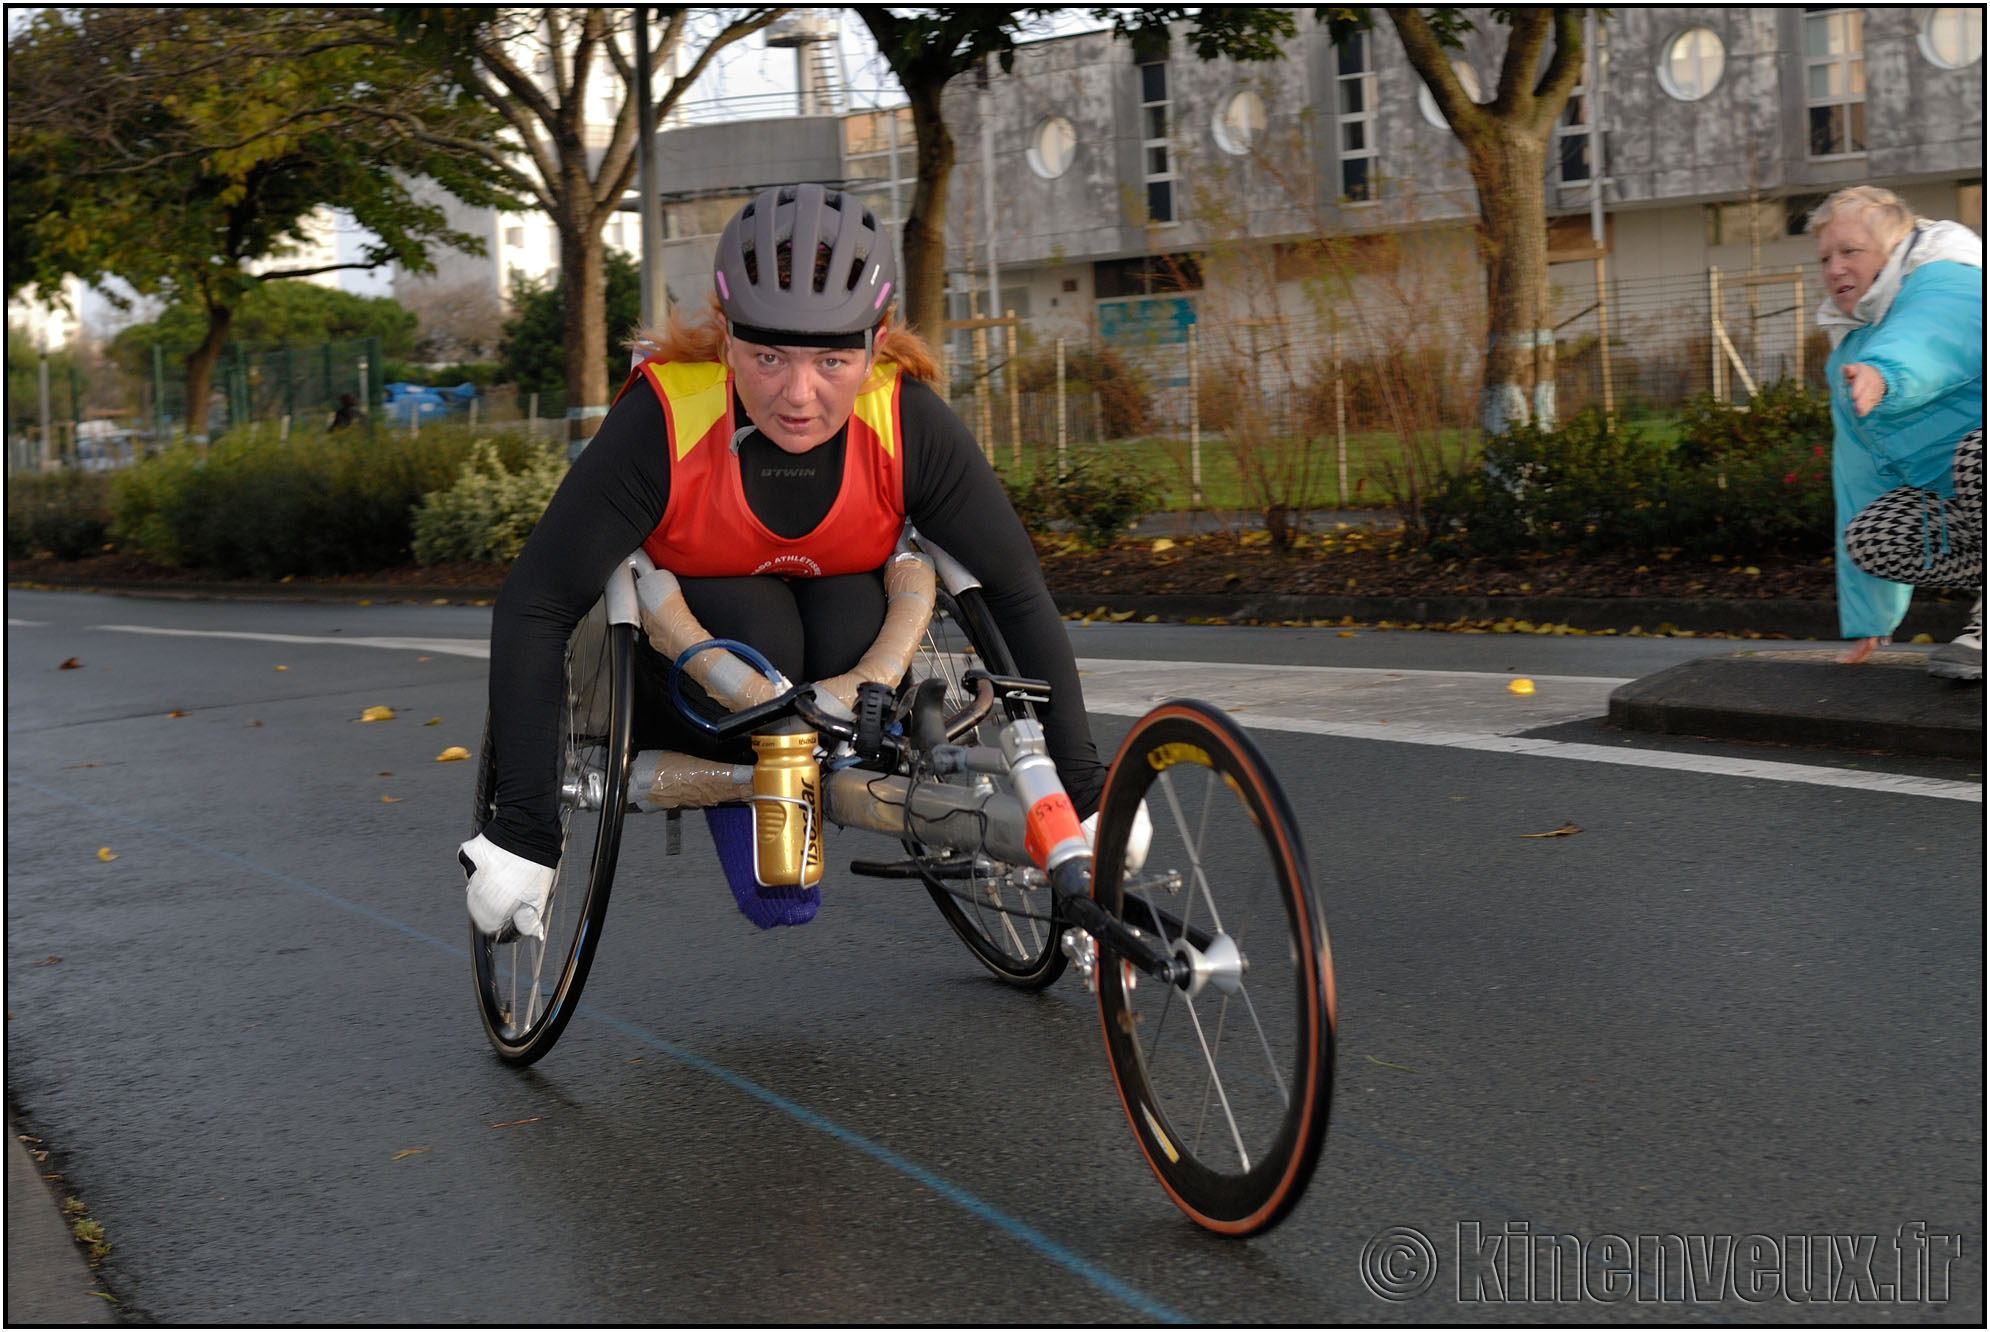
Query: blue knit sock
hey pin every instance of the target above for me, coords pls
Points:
(732, 835)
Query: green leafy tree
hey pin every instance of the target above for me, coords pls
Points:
(927, 48)
(534, 352)
(537, 67)
(184, 150)
(275, 314)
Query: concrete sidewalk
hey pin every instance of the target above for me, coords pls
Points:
(48, 1281)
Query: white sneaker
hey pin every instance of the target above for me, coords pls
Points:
(1963, 658)
(505, 888)
(1138, 838)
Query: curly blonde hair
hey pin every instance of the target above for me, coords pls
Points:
(701, 337)
(1882, 212)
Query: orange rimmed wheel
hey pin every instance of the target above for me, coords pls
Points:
(1226, 1081)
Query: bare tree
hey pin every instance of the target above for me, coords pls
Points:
(538, 66)
(1506, 148)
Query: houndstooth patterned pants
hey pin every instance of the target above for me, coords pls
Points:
(1915, 536)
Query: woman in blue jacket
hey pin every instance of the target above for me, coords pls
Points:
(1904, 309)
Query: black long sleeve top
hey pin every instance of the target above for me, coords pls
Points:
(613, 498)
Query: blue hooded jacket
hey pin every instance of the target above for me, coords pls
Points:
(1928, 346)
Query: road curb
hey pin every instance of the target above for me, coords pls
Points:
(1805, 697)
(1941, 620)
(48, 1280)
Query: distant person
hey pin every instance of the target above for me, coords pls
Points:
(1903, 307)
(348, 413)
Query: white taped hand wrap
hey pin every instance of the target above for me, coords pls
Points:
(504, 887)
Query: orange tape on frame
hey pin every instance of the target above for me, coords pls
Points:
(1051, 820)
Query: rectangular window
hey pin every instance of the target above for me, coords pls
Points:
(514, 238)
(1156, 159)
(1354, 75)
(1149, 275)
(1572, 139)
(1835, 80)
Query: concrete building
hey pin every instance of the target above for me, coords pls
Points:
(1721, 128)
(1123, 196)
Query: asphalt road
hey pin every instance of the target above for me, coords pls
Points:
(1746, 1000)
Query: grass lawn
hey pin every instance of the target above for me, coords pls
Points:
(1305, 473)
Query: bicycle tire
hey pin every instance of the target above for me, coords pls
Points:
(527, 989)
(1232, 1130)
(1001, 912)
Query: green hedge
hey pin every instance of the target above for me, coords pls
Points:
(1098, 496)
(489, 511)
(66, 514)
(314, 505)
(1742, 484)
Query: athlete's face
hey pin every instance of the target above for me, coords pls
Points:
(798, 396)
(1851, 258)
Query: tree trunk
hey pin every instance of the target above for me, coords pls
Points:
(1506, 144)
(925, 276)
(584, 320)
(1519, 383)
(200, 368)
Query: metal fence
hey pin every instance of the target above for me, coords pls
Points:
(1388, 358)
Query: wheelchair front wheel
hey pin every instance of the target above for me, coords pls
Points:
(1226, 1082)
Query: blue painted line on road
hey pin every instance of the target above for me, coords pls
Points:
(961, 1198)
(1002, 1221)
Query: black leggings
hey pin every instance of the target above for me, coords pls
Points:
(810, 628)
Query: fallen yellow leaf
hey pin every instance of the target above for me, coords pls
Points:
(105, 853)
(377, 714)
(283, 668)
(421, 658)
(176, 713)
(433, 721)
(70, 665)
(452, 754)
(407, 1152)
(1520, 686)
(390, 800)
(1566, 830)
(1161, 544)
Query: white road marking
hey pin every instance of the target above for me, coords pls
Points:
(1452, 709)
(27, 624)
(456, 647)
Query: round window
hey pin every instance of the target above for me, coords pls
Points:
(1692, 65)
(1468, 79)
(1052, 147)
(1953, 38)
(1239, 123)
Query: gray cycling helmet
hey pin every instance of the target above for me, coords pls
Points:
(805, 265)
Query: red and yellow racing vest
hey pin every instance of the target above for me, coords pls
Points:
(707, 529)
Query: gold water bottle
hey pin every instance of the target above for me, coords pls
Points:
(787, 811)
